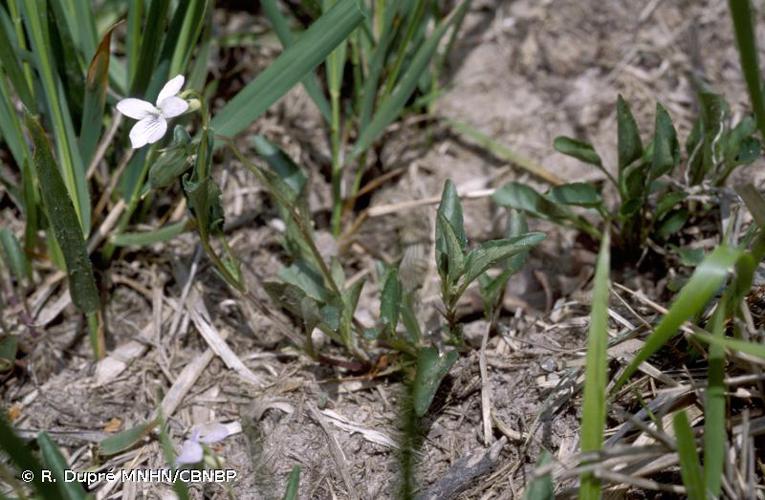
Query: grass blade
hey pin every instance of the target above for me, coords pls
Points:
(282, 30)
(595, 377)
(56, 463)
(714, 408)
(96, 83)
(702, 286)
(690, 469)
(18, 453)
(12, 68)
(289, 68)
(743, 25)
(293, 484)
(391, 107)
(151, 37)
(68, 153)
(63, 220)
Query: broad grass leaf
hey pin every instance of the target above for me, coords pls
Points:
(63, 220)
(432, 367)
(289, 68)
(596, 371)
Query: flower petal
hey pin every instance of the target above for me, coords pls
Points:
(191, 453)
(211, 433)
(148, 131)
(171, 88)
(136, 108)
(173, 106)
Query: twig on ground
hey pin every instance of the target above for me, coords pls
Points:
(335, 450)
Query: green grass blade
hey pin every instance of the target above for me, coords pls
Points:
(68, 153)
(690, 469)
(79, 24)
(190, 30)
(595, 377)
(12, 67)
(19, 453)
(743, 24)
(702, 286)
(56, 463)
(133, 40)
(714, 408)
(289, 68)
(63, 220)
(541, 487)
(10, 127)
(394, 103)
(14, 256)
(96, 84)
(150, 36)
(293, 484)
(282, 30)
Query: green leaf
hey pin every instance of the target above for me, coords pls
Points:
(714, 408)
(292, 175)
(9, 348)
(150, 38)
(96, 84)
(14, 256)
(754, 201)
(63, 220)
(294, 299)
(126, 439)
(201, 191)
(451, 209)
(293, 484)
(57, 107)
(390, 301)
(144, 238)
(701, 287)
(302, 275)
(596, 371)
(290, 67)
(629, 146)
(56, 463)
(451, 261)
(743, 24)
(690, 469)
(668, 202)
(489, 253)
(666, 149)
(582, 151)
(432, 367)
(672, 223)
(282, 29)
(390, 108)
(581, 194)
(11, 65)
(541, 487)
(522, 197)
(21, 455)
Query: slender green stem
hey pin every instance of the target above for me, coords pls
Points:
(414, 22)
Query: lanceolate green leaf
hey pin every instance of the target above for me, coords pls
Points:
(666, 149)
(289, 68)
(72, 168)
(595, 377)
(489, 253)
(580, 150)
(629, 146)
(432, 367)
(702, 286)
(63, 221)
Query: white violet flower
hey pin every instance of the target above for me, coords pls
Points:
(191, 451)
(152, 120)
